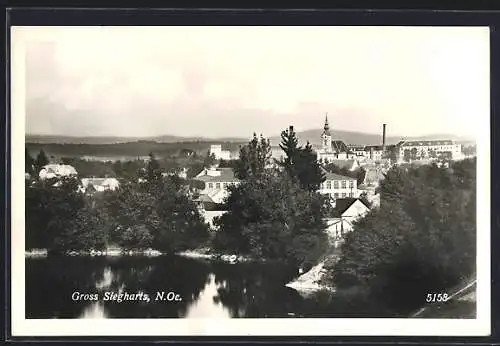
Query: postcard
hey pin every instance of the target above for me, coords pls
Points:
(248, 181)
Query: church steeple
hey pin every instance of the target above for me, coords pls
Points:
(326, 128)
(326, 138)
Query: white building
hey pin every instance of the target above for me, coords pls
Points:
(418, 150)
(57, 171)
(216, 150)
(339, 186)
(99, 184)
(346, 212)
(216, 181)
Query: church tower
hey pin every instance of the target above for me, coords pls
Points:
(326, 138)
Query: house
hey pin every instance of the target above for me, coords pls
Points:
(209, 210)
(57, 171)
(99, 184)
(345, 213)
(216, 150)
(338, 186)
(216, 181)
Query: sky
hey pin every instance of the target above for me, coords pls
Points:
(233, 81)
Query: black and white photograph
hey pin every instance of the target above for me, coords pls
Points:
(228, 180)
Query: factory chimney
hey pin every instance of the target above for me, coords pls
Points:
(383, 137)
(290, 129)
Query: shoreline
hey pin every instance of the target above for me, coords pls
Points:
(117, 252)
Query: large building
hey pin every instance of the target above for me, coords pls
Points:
(339, 186)
(418, 150)
(216, 150)
(216, 181)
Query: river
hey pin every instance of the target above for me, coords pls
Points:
(203, 289)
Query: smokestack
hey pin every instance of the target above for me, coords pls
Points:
(383, 137)
(290, 129)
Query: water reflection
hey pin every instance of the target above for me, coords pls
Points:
(207, 290)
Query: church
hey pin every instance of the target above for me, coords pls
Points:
(331, 150)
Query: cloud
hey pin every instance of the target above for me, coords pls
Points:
(230, 81)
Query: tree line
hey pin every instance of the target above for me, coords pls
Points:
(149, 211)
(421, 240)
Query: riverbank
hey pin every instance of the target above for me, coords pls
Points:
(313, 280)
(209, 254)
(204, 253)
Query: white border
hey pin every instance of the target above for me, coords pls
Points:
(279, 327)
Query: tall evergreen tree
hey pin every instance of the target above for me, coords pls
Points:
(153, 170)
(301, 162)
(28, 162)
(308, 169)
(290, 145)
(41, 160)
(254, 157)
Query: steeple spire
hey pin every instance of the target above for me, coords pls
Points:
(327, 127)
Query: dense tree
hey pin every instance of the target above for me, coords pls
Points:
(414, 153)
(40, 161)
(153, 169)
(300, 162)
(422, 239)
(290, 145)
(271, 216)
(28, 162)
(307, 169)
(60, 219)
(407, 155)
(209, 160)
(156, 213)
(254, 158)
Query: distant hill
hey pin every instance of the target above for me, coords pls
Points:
(313, 136)
(351, 137)
(59, 139)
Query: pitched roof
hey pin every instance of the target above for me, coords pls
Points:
(343, 163)
(339, 146)
(342, 204)
(335, 176)
(226, 175)
(425, 143)
(373, 147)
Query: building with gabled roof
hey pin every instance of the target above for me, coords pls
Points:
(338, 186)
(345, 213)
(216, 181)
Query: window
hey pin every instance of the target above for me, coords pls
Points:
(210, 185)
(336, 195)
(344, 184)
(328, 184)
(351, 195)
(217, 185)
(344, 194)
(336, 184)
(224, 185)
(351, 184)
